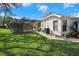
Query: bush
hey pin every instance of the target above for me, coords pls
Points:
(3, 27)
(16, 27)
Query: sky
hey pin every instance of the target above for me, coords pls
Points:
(36, 11)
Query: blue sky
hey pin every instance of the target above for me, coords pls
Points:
(38, 10)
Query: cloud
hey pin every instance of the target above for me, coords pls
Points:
(32, 15)
(26, 4)
(17, 17)
(67, 5)
(43, 8)
(76, 14)
(75, 9)
(1, 14)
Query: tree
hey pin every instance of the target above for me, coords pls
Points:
(8, 19)
(39, 23)
(6, 8)
(23, 19)
(1, 20)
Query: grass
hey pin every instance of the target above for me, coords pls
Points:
(33, 44)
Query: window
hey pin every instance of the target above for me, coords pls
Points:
(64, 25)
(55, 25)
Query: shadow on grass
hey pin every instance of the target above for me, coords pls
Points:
(57, 47)
(28, 32)
(31, 51)
(6, 53)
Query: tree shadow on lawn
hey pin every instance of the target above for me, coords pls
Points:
(55, 49)
(34, 52)
(6, 39)
(28, 32)
(23, 51)
(2, 53)
(58, 47)
(29, 52)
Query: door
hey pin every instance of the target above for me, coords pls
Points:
(47, 31)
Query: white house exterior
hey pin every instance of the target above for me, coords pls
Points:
(58, 24)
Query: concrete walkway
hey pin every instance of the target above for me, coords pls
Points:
(58, 38)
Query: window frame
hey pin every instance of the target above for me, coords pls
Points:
(55, 25)
(64, 25)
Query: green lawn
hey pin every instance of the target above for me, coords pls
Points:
(34, 44)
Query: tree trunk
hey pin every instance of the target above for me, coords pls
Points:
(4, 18)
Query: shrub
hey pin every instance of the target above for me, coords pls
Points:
(2, 27)
(16, 26)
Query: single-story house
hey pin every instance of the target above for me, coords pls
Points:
(58, 24)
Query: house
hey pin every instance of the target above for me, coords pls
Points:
(59, 25)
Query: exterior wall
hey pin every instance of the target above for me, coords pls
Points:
(49, 24)
(59, 27)
(42, 25)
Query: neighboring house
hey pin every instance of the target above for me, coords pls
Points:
(58, 24)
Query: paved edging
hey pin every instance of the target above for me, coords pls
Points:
(58, 38)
